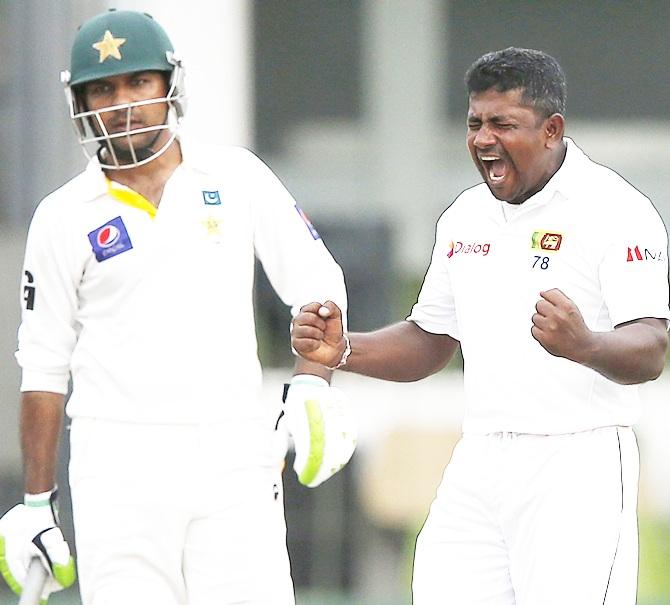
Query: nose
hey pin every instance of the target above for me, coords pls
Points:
(122, 95)
(484, 137)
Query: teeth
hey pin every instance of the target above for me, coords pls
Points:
(488, 158)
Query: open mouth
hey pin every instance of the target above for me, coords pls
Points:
(494, 167)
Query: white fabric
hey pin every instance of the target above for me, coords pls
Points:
(530, 519)
(485, 278)
(172, 514)
(164, 332)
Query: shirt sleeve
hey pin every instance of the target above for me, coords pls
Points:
(294, 257)
(47, 334)
(435, 309)
(634, 269)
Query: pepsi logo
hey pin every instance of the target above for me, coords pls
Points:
(108, 236)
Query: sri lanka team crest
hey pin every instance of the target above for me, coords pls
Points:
(110, 239)
(547, 241)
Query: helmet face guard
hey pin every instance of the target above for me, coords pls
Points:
(116, 43)
(94, 138)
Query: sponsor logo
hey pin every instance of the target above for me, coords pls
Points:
(313, 232)
(29, 291)
(468, 248)
(636, 253)
(211, 198)
(546, 240)
(110, 239)
(107, 236)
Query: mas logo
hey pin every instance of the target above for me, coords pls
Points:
(467, 248)
(636, 253)
(546, 240)
(110, 239)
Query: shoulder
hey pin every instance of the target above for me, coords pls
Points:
(611, 195)
(228, 159)
(65, 200)
(470, 203)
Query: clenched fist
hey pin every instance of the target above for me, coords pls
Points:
(559, 327)
(317, 333)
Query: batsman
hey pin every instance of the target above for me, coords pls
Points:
(137, 288)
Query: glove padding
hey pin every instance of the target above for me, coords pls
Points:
(32, 531)
(322, 427)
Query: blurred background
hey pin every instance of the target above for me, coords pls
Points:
(359, 107)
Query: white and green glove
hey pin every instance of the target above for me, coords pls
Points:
(321, 426)
(31, 530)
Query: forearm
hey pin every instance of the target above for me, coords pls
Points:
(41, 422)
(631, 354)
(402, 352)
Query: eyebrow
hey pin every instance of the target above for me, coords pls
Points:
(493, 118)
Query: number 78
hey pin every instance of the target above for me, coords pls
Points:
(543, 260)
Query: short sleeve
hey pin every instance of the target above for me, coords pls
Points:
(435, 310)
(634, 269)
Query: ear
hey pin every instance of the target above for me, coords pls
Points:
(554, 127)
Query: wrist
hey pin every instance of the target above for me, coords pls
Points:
(345, 354)
(43, 505)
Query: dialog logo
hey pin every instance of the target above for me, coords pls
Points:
(110, 239)
(477, 248)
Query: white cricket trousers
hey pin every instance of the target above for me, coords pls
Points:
(177, 515)
(533, 520)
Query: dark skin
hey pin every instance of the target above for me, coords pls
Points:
(632, 353)
(41, 423)
(402, 352)
(517, 151)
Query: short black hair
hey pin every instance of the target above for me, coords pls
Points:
(538, 74)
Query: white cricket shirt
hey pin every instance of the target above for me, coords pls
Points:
(587, 232)
(151, 312)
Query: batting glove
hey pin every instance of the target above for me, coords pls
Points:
(321, 426)
(31, 530)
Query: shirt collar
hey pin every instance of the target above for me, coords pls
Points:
(564, 180)
(93, 181)
(567, 178)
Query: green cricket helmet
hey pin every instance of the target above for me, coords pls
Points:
(111, 44)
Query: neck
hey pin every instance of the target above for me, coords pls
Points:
(150, 178)
(555, 165)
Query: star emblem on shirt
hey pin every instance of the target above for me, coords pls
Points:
(109, 46)
(212, 225)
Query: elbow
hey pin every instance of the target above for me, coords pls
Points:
(655, 360)
(660, 356)
(649, 371)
